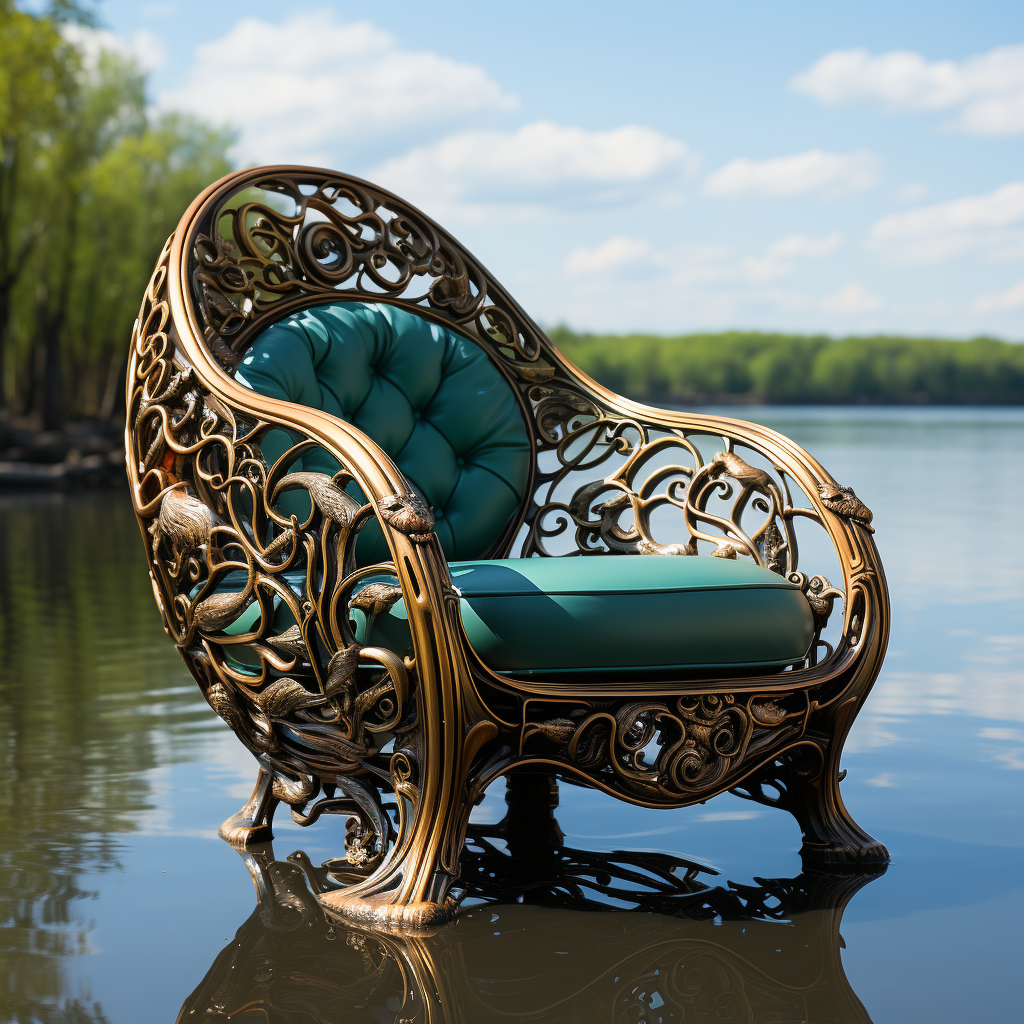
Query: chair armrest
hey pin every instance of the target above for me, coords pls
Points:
(210, 503)
(624, 471)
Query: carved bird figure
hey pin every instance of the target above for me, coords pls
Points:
(340, 671)
(730, 464)
(183, 520)
(284, 696)
(651, 547)
(727, 549)
(376, 598)
(220, 609)
(844, 502)
(291, 641)
(224, 703)
(408, 513)
(337, 505)
(557, 730)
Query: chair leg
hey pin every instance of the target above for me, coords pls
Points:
(832, 840)
(805, 782)
(532, 832)
(253, 823)
(410, 891)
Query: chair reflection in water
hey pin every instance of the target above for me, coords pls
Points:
(546, 934)
(361, 472)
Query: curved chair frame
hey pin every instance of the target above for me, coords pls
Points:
(405, 745)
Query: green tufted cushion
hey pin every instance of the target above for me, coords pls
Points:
(429, 397)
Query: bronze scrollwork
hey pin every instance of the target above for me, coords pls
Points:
(273, 614)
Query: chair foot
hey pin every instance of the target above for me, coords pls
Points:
(381, 914)
(832, 840)
(869, 855)
(807, 785)
(253, 823)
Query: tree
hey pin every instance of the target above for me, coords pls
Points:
(37, 77)
(90, 187)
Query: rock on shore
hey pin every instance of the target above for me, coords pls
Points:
(86, 453)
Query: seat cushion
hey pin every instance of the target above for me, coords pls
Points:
(602, 616)
(429, 397)
(615, 614)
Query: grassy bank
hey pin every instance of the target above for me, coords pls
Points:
(782, 368)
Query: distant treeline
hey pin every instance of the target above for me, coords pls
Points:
(784, 368)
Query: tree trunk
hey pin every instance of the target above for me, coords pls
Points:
(5, 324)
(48, 330)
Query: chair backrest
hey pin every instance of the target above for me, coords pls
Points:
(431, 398)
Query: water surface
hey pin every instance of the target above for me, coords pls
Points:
(118, 903)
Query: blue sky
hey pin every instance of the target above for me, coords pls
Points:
(846, 167)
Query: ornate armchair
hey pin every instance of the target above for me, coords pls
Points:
(406, 547)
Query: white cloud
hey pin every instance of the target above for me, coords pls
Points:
(797, 246)
(1012, 298)
(536, 168)
(143, 46)
(705, 265)
(998, 695)
(1011, 735)
(614, 254)
(729, 816)
(988, 88)
(851, 300)
(992, 223)
(312, 90)
(884, 780)
(814, 171)
(912, 192)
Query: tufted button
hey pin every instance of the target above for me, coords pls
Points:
(439, 513)
(460, 461)
(416, 414)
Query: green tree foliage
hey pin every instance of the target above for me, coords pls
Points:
(90, 188)
(779, 368)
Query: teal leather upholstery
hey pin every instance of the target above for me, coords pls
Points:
(429, 397)
(604, 616)
(437, 405)
(628, 614)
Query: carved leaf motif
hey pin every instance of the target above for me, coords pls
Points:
(844, 502)
(332, 501)
(769, 546)
(407, 513)
(279, 542)
(284, 696)
(767, 713)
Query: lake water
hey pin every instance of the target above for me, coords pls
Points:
(119, 904)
